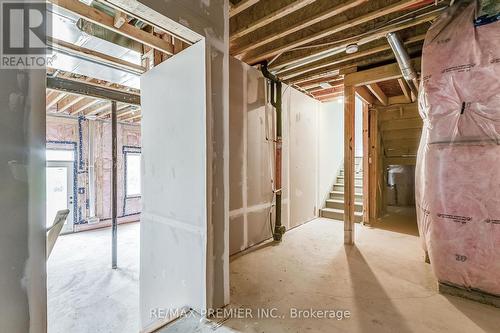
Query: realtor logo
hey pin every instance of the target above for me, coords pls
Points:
(24, 30)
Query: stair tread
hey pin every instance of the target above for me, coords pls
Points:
(341, 184)
(342, 192)
(342, 201)
(340, 211)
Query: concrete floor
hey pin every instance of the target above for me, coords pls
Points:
(382, 281)
(84, 294)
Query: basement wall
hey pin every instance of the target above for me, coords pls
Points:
(251, 168)
(23, 292)
(331, 146)
(70, 133)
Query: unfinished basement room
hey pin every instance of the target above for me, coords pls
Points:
(249, 166)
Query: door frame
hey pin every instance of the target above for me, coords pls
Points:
(69, 165)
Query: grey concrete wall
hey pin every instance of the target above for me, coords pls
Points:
(22, 201)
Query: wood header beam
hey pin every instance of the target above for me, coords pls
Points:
(377, 74)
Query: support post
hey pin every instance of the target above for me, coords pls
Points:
(366, 164)
(114, 190)
(349, 168)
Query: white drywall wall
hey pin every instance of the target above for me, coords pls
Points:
(252, 157)
(208, 19)
(302, 112)
(174, 183)
(23, 291)
(331, 146)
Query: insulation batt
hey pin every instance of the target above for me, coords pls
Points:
(458, 162)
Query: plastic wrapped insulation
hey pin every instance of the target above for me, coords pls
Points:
(458, 163)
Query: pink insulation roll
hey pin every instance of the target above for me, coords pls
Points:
(458, 163)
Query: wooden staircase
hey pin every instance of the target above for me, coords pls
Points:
(334, 206)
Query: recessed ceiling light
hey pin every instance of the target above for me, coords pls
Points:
(351, 48)
(325, 85)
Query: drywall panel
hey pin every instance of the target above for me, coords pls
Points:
(331, 146)
(303, 154)
(174, 182)
(23, 294)
(251, 157)
(209, 19)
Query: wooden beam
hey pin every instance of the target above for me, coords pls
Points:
(406, 90)
(68, 102)
(82, 105)
(373, 164)
(54, 98)
(241, 6)
(98, 108)
(365, 95)
(402, 134)
(299, 25)
(297, 58)
(366, 164)
(377, 74)
(100, 18)
(327, 32)
(72, 49)
(270, 17)
(349, 165)
(377, 92)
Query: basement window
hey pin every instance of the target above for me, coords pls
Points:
(133, 174)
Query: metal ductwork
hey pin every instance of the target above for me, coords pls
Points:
(404, 62)
(108, 35)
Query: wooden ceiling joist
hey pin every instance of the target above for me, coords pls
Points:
(365, 95)
(377, 92)
(332, 61)
(405, 89)
(241, 6)
(298, 58)
(54, 98)
(83, 105)
(298, 23)
(309, 38)
(68, 102)
(289, 7)
(102, 19)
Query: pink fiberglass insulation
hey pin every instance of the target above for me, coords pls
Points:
(458, 163)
